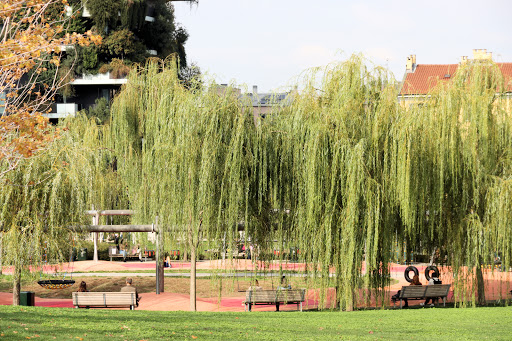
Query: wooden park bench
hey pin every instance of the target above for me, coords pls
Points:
(422, 292)
(276, 297)
(114, 253)
(104, 300)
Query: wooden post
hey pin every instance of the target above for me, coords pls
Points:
(161, 271)
(193, 284)
(94, 239)
(96, 221)
(157, 259)
(117, 228)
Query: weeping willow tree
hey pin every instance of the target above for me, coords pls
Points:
(47, 195)
(185, 158)
(359, 175)
(323, 157)
(451, 172)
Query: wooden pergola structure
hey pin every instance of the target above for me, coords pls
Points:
(95, 228)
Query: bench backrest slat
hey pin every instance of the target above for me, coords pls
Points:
(265, 296)
(104, 299)
(437, 290)
(415, 291)
(289, 295)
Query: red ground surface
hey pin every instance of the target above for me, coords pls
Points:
(498, 285)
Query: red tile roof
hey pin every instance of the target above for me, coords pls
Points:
(506, 69)
(426, 76)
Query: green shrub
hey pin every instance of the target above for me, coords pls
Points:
(102, 250)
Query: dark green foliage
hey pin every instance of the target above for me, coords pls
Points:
(104, 13)
(100, 110)
(133, 13)
(191, 77)
(180, 37)
(163, 35)
(126, 34)
(123, 43)
(102, 250)
(89, 59)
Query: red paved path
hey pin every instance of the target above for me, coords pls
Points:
(497, 285)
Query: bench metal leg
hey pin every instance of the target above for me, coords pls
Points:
(250, 307)
(277, 306)
(400, 303)
(444, 301)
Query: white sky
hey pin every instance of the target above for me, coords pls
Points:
(270, 42)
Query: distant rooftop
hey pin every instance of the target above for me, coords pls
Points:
(421, 78)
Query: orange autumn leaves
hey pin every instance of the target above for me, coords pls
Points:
(28, 32)
(32, 32)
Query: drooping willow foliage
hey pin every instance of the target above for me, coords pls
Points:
(324, 156)
(360, 175)
(345, 174)
(185, 155)
(453, 172)
(44, 200)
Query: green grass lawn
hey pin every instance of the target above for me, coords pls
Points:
(21, 323)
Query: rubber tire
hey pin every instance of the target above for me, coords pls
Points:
(408, 270)
(434, 274)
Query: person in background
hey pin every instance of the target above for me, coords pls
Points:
(139, 252)
(130, 288)
(284, 284)
(82, 287)
(116, 240)
(415, 281)
(256, 286)
(167, 262)
(124, 251)
(432, 281)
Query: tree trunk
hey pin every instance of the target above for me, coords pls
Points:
(350, 305)
(16, 289)
(192, 276)
(480, 285)
(160, 278)
(337, 301)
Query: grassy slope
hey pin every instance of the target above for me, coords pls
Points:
(415, 324)
(205, 287)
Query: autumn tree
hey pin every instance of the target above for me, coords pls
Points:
(32, 36)
(32, 33)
